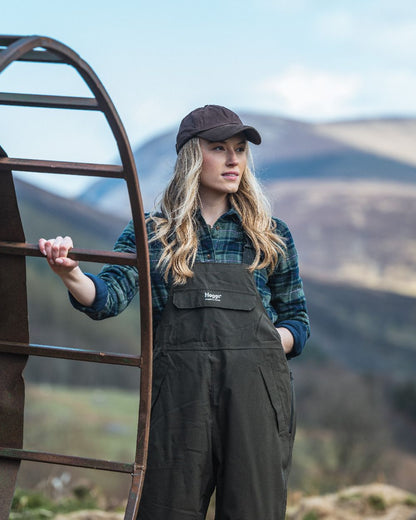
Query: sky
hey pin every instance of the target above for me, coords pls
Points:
(310, 60)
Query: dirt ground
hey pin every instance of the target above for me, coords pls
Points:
(371, 502)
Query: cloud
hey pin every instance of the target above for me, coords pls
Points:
(311, 93)
(392, 89)
(376, 30)
(319, 94)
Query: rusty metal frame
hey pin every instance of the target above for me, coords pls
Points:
(14, 336)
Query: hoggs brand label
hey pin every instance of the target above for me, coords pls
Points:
(212, 297)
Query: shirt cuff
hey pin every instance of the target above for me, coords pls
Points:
(101, 293)
(300, 333)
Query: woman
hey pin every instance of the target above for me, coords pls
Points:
(228, 310)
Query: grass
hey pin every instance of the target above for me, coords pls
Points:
(410, 501)
(84, 422)
(377, 503)
(31, 505)
(311, 515)
(102, 423)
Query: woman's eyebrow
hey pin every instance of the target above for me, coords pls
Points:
(244, 141)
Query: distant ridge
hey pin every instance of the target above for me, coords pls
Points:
(290, 150)
(348, 196)
(352, 212)
(47, 214)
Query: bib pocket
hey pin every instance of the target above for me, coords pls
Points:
(212, 318)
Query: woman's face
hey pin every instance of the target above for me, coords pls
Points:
(223, 165)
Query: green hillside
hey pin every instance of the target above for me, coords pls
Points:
(52, 319)
(360, 360)
(102, 423)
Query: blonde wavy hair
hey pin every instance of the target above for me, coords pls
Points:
(176, 226)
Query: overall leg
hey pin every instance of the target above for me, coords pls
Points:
(179, 476)
(256, 437)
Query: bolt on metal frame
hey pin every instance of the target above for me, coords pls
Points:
(15, 344)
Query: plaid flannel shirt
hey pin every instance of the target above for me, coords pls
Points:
(281, 291)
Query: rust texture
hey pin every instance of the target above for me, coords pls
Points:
(15, 343)
(13, 326)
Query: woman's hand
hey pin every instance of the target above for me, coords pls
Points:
(56, 251)
(287, 339)
(79, 285)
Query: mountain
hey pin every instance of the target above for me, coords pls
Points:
(346, 189)
(70, 217)
(352, 150)
(382, 320)
(355, 380)
(353, 232)
(154, 160)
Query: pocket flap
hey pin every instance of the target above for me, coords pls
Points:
(220, 298)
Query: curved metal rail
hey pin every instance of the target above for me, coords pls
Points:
(15, 346)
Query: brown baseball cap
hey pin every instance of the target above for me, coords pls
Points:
(213, 123)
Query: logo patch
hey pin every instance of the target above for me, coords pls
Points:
(212, 297)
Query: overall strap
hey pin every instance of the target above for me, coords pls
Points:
(249, 252)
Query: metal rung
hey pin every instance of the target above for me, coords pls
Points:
(43, 101)
(76, 354)
(44, 56)
(65, 460)
(41, 56)
(86, 255)
(71, 168)
(8, 39)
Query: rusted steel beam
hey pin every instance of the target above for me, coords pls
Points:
(76, 354)
(132, 507)
(69, 168)
(33, 55)
(13, 327)
(7, 39)
(41, 57)
(25, 46)
(36, 100)
(66, 460)
(86, 255)
(22, 48)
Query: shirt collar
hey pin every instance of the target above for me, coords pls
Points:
(231, 214)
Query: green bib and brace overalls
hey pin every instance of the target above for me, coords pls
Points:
(223, 406)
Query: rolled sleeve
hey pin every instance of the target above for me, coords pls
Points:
(115, 285)
(99, 303)
(287, 294)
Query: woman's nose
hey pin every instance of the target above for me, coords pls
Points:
(232, 158)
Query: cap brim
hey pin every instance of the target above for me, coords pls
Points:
(221, 133)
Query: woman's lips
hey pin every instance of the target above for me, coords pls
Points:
(230, 175)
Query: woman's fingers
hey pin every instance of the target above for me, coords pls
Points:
(56, 249)
(61, 248)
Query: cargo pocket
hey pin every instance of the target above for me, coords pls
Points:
(280, 399)
(161, 364)
(292, 423)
